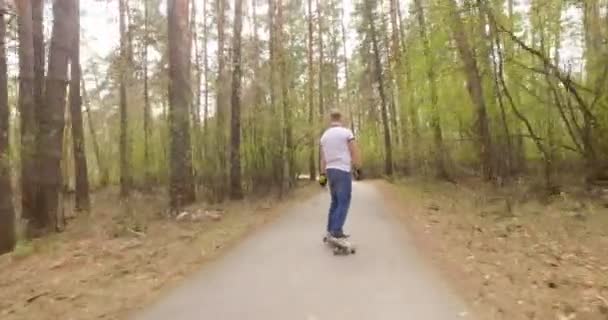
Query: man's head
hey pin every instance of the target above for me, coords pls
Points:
(335, 116)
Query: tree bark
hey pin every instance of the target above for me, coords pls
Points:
(27, 105)
(388, 160)
(125, 170)
(181, 190)
(83, 202)
(236, 189)
(53, 122)
(7, 211)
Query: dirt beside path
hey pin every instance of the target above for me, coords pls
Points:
(120, 258)
(513, 259)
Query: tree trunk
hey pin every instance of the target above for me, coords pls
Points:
(321, 61)
(53, 121)
(475, 89)
(147, 164)
(206, 69)
(388, 160)
(181, 190)
(125, 170)
(440, 164)
(275, 131)
(29, 182)
(389, 77)
(221, 105)
(198, 144)
(287, 154)
(80, 161)
(400, 122)
(39, 57)
(103, 170)
(7, 212)
(196, 105)
(311, 85)
(593, 63)
(236, 189)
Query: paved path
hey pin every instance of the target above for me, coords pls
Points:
(285, 272)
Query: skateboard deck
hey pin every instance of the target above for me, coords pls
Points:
(340, 246)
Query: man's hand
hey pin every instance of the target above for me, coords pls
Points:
(357, 173)
(323, 180)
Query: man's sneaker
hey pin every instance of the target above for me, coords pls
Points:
(341, 236)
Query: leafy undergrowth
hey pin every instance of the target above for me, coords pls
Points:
(120, 257)
(512, 256)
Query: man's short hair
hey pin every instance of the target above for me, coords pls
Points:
(335, 115)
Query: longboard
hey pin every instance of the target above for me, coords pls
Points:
(340, 246)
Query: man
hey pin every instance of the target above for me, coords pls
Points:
(339, 153)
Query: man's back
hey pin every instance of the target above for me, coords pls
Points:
(334, 145)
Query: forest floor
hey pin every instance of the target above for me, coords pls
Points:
(511, 255)
(114, 260)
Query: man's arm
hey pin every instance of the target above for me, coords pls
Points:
(354, 153)
(322, 164)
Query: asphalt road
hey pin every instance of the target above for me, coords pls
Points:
(285, 272)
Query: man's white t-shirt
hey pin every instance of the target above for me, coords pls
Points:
(334, 145)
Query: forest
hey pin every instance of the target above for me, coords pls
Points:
(485, 120)
(216, 99)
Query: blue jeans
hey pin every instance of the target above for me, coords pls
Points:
(340, 186)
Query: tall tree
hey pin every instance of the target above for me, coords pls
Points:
(275, 131)
(236, 189)
(205, 68)
(311, 86)
(196, 103)
(475, 88)
(39, 54)
(125, 170)
(103, 169)
(181, 189)
(440, 165)
(388, 149)
(321, 60)
(221, 102)
(399, 121)
(52, 122)
(287, 145)
(7, 212)
(80, 161)
(29, 127)
(147, 115)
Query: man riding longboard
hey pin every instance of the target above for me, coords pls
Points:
(339, 155)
